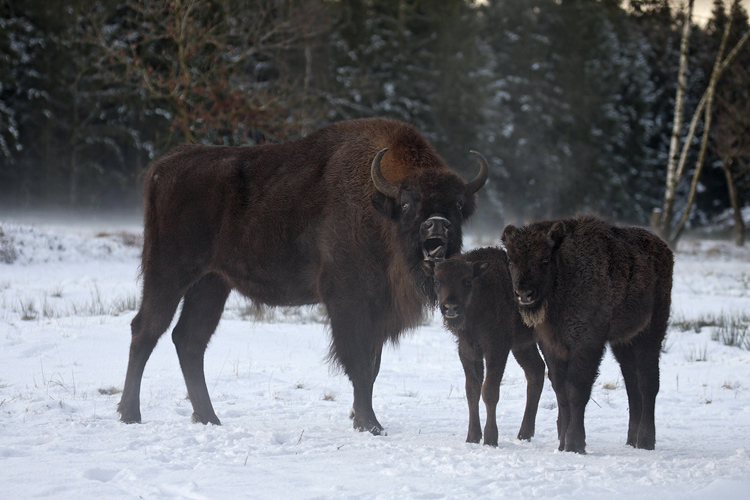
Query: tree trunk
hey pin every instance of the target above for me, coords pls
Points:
(739, 224)
(719, 68)
(665, 223)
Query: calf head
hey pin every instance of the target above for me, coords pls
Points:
(531, 262)
(455, 281)
(428, 207)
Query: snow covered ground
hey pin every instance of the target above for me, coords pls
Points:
(66, 302)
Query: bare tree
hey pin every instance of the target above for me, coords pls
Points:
(210, 64)
(731, 142)
(664, 222)
(706, 102)
(675, 170)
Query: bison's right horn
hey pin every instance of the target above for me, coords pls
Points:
(484, 172)
(380, 182)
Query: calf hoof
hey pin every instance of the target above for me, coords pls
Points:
(525, 435)
(574, 447)
(645, 445)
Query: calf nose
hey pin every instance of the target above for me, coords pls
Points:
(525, 296)
(450, 310)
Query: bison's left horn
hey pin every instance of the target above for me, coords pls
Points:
(484, 172)
(380, 182)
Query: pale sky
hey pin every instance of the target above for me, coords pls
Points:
(702, 8)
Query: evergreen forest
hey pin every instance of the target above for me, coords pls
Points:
(571, 101)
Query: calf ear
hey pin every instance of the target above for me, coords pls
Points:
(428, 266)
(556, 234)
(508, 232)
(479, 268)
(384, 204)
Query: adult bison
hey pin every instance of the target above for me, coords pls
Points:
(581, 283)
(476, 300)
(331, 218)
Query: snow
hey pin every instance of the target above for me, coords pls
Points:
(285, 431)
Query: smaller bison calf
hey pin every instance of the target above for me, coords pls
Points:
(582, 283)
(476, 300)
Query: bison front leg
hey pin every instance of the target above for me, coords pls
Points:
(473, 364)
(357, 345)
(363, 373)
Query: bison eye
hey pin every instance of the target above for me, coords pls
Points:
(437, 285)
(545, 261)
(459, 205)
(405, 207)
(467, 284)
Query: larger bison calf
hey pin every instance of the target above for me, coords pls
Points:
(476, 299)
(582, 283)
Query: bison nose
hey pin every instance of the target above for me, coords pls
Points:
(436, 225)
(450, 310)
(525, 296)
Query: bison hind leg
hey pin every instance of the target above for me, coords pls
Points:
(157, 309)
(201, 312)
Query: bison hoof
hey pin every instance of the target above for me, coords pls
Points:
(367, 425)
(130, 420)
(128, 416)
(374, 429)
(197, 419)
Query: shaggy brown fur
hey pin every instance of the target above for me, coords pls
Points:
(582, 283)
(294, 224)
(476, 299)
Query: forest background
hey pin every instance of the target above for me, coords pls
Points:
(571, 101)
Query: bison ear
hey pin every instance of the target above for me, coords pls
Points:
(508, 232)
(480, 268)
(556, 234)
(384, 204)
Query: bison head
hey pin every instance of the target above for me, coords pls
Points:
(428, 207)
(531, 262)
(454, 283)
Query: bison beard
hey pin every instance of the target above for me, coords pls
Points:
(343, 217)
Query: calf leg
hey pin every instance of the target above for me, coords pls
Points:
(647, 370)
(558, 373)
(583, 367)
(626, 358)
(473, 364)
(201, 312)
(496, 361)
(533, 367)
(158, 306)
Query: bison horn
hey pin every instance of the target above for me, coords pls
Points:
(380, 182)
(484, 172)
